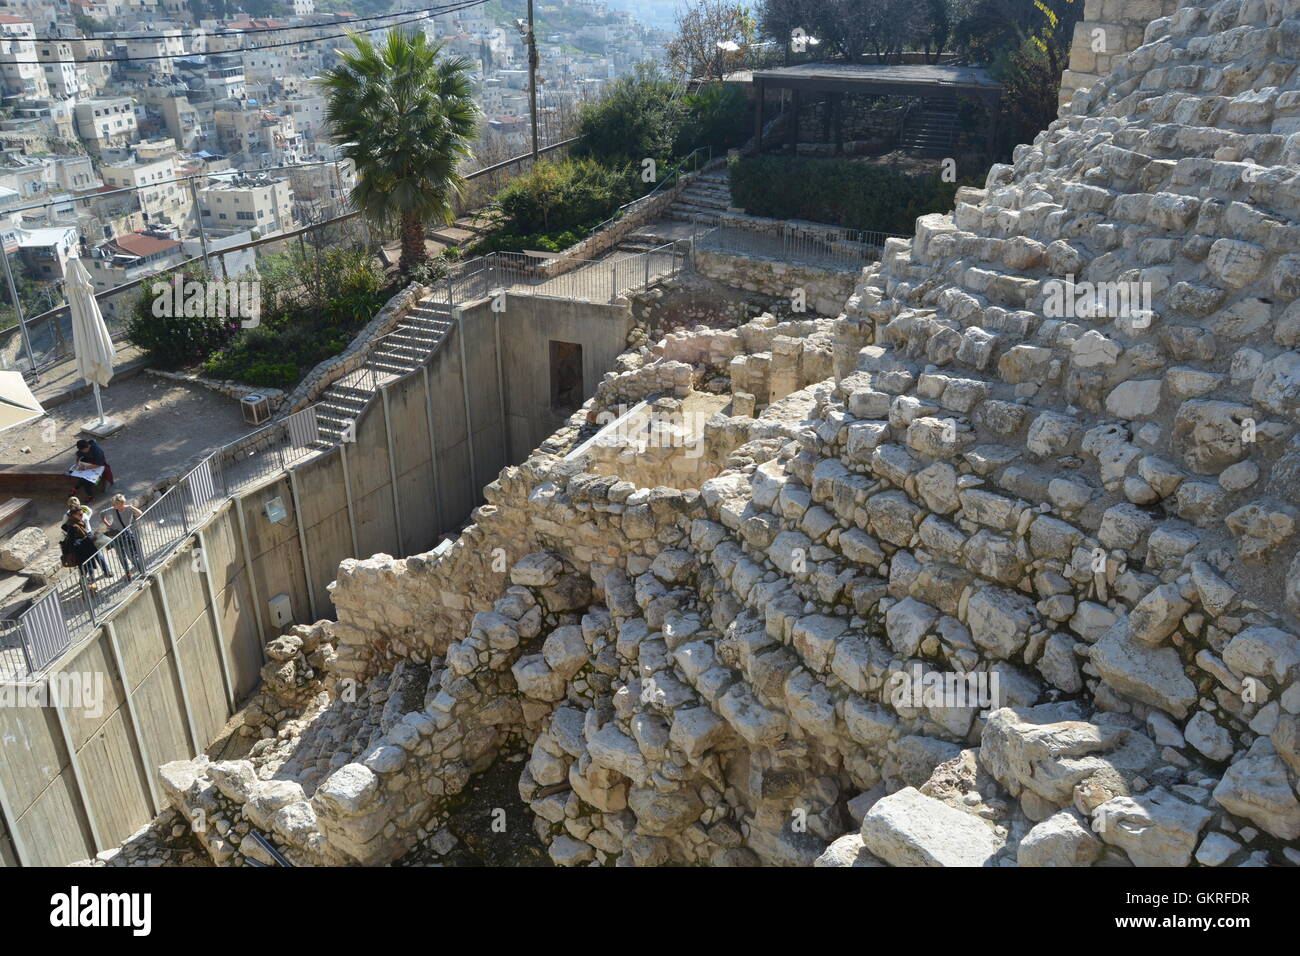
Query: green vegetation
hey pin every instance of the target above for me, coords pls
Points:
(312, 305)
(311, 309)
(856, 195)
(404, 115)
(641, 117)
(555, 204)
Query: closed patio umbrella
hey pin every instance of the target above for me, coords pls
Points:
(17, 404)
(91, 343)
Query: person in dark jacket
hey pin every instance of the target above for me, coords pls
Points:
(90, 455)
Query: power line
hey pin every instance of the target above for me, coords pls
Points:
(454, 8)
(228, 31)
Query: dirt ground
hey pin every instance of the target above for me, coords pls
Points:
(167, 424)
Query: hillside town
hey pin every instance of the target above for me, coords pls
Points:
(134, 132)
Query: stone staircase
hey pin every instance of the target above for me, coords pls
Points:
(932, 129)
(704, 200)
(403, 350)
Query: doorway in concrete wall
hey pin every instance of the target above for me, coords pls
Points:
(566, 377)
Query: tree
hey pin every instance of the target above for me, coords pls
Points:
(701, 27)
(403, 114)
(636, 120)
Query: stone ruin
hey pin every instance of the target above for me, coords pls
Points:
(961, 577)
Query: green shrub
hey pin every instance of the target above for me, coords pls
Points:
(557, 203)
(175, 341)
(309, 313)
(840, 192)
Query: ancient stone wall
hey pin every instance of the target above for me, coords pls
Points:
(1000, 566)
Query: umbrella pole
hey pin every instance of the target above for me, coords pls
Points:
(99, 403)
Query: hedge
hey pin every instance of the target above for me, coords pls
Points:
(840, 192)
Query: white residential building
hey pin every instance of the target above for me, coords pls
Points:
(151, 175)
(106, 121)
(21, 74)
(242, 202)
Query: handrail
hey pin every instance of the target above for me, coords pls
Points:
(672, 177)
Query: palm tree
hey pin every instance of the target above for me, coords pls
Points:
(402, 113)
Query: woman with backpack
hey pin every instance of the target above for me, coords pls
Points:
(80, 550)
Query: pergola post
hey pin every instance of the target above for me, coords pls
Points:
(758, 117)
(837, 105)
(796, 101)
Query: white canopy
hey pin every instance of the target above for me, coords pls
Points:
(17, 404)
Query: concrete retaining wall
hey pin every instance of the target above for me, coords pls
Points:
(175, 661)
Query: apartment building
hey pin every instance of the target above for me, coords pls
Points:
(45, 251)
(20, 74)
(154, 53)
(239, 202)
(106, 122)
(150, 173)
(125, 258)
(225, 78)
(93, 70)
(62, 77)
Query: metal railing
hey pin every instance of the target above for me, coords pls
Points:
(818, 247)
(77, 603)
(691, 159)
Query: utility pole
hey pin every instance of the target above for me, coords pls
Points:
(532, 76)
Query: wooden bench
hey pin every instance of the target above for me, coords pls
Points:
(40, 478)
(12, 513)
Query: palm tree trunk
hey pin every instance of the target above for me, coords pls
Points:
(413, 249)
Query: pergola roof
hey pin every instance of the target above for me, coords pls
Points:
(885, 79)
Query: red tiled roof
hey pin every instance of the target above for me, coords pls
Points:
(141, 245)
(6, 18)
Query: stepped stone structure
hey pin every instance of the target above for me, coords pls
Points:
(999, 567)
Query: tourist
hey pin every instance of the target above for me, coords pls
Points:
(90, 456)
(78, 513)
(79, 548)
(117, 525)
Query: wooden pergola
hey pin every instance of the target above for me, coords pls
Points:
(833, 80)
